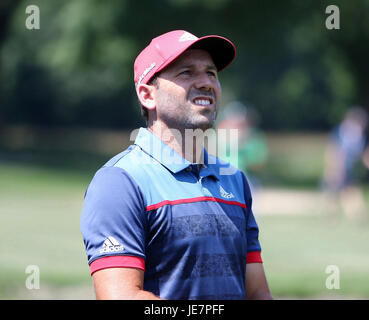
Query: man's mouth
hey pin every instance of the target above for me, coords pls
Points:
(203, 101)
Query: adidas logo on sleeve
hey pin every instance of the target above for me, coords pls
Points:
(111, 245)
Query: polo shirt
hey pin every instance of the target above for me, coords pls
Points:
(191, 231)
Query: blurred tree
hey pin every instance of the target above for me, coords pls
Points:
(7, 7)
(78, 68)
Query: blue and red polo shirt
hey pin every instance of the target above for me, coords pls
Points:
(192, 231)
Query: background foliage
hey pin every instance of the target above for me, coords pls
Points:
(77, 69)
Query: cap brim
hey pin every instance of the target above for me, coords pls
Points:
(222, 51)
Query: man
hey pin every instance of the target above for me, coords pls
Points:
(156, 223)
(347, 149)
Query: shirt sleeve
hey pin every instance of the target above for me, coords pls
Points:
(252, 229)
(113, 221)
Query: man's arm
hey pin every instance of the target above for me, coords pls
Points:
(256, 284)
(121, 284)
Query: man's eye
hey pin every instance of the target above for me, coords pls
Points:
(212, 73)
(185, 72)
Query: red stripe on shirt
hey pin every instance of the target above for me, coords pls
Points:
(117, 262)
(191, 200)
(254, 257)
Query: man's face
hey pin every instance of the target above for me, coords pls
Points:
(188, 91)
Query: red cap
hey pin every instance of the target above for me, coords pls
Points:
(164, 49)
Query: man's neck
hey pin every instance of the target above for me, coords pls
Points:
(189, 147)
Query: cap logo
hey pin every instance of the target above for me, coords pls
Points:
(146, 71)
(187, 37)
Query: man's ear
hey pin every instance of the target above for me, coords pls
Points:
(146, 96)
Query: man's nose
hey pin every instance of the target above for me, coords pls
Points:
(204, 82)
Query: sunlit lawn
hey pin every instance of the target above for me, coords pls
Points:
(297, 251)
(39, 210)
(40, 213)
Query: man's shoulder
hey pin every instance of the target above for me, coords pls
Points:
(124, 155)
(118, 173)
(130, 163)
(131, 157)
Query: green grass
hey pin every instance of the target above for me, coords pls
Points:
(295, 160)
(41, 197)
(297, 250)
(40, 212)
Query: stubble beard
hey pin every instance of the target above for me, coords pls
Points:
(181, 117)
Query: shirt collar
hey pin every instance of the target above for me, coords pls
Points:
(210, 169)
(169, 158)
(160, 151)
